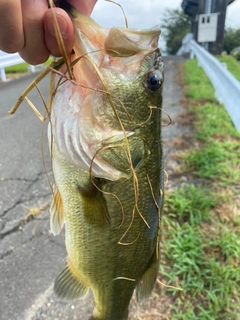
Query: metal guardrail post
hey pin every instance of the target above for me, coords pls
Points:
(7, 60)
(3, 75)
(31, 68)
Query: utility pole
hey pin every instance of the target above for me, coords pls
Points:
(208, 6)
(208, 10)
(219, 6)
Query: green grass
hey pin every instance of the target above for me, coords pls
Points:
(23, 67)
(190, 203)
(201, 222)
(213, 121)
(218, 157)
(232, 65)
(203, 254)
(198, 85)
(19, 68)
(218, 161)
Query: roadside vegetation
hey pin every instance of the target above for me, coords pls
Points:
(201, 220)
(232, 64)
(175, 25)
(231, 40)
(23, 67)
(19, 68)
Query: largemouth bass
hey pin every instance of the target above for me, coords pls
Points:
(105, 142)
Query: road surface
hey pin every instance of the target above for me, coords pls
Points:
(30, 256)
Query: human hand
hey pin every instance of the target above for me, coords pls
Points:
(27, 27)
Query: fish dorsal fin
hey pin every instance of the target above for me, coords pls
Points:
(56, 213)
(68, 284)
(148, 279)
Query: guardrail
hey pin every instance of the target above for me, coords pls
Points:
(227, 87)
(7, 60)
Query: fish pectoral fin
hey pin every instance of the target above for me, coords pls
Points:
(148, 279)
(56, 213)
(95, 208)
(68, 284)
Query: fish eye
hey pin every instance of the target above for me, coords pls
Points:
(153, 81)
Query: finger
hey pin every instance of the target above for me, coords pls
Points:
(11, 35)
(34, 50)
(66, 29)
(83, 6)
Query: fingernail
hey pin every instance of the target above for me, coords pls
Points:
(62, 23)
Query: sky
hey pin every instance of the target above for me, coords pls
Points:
(145, 14)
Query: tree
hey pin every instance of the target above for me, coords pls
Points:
(174, 27)
(231, 39)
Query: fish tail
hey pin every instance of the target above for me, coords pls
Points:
(108, 313)
(103, 317)
(68, 284)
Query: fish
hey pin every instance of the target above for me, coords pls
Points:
(106, 151)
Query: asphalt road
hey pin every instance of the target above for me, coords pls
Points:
(30, 257)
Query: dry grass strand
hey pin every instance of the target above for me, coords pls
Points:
(125, 18)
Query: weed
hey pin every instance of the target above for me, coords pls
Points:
(227, 244)
(185, 251)
(190, 204)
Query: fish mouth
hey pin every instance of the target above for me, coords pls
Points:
(117, 42)
(120, 50)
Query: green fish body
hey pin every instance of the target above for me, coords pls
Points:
(105, 142)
